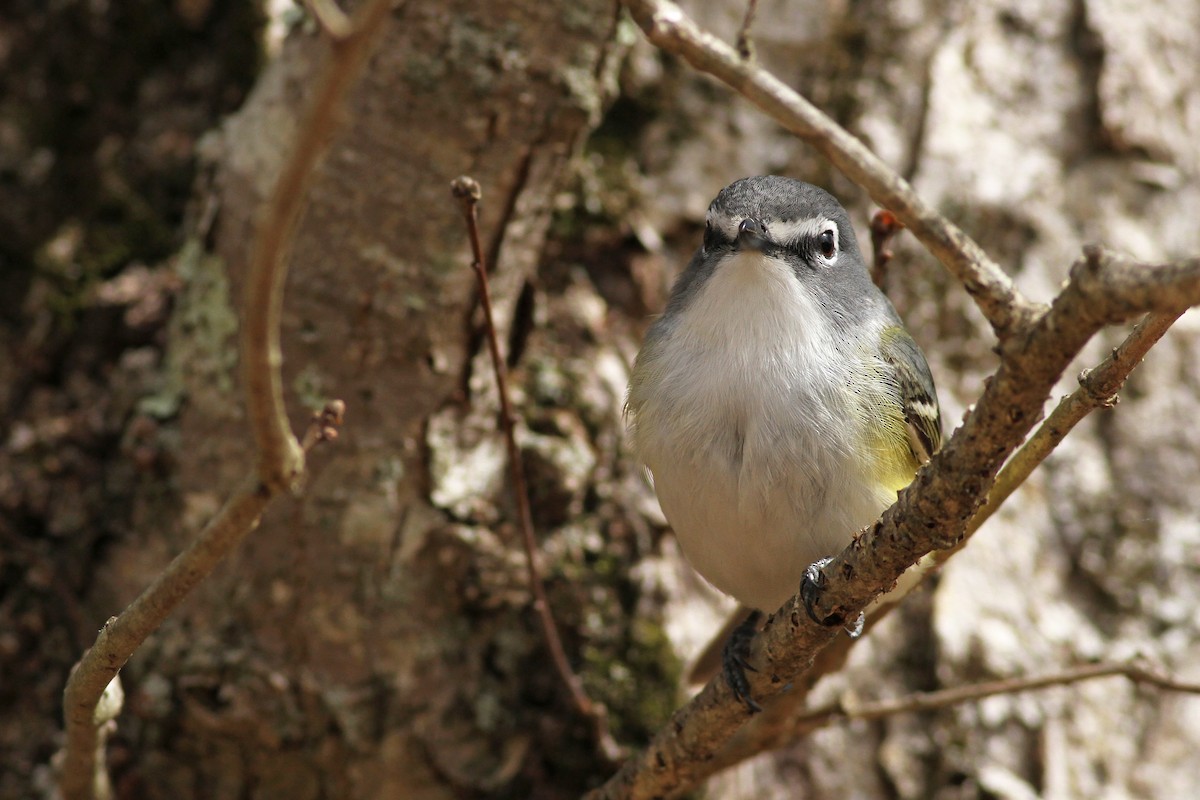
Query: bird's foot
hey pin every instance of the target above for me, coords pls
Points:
(735, 660)
(810, 592)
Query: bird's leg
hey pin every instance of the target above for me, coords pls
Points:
(735, 660)
(810, 591)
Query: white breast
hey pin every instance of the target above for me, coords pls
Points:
(745, 428)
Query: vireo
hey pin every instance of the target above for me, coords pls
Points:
(778, 403)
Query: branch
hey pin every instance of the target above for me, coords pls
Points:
(781, 723)
(665, 24)
(1097, 389)
(931, 701)
(745, 47)
(931, 514)
(884, 226)
(123, 634)
(281, 457)
(469, 193)
(333, 20)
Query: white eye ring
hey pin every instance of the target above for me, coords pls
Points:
(827, 243)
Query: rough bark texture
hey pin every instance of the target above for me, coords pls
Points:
(362, 647)
(373, 639)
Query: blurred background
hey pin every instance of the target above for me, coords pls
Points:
(374, 638)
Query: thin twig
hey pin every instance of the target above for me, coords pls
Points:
(884, 226)
(665, 24)
(333, 20)
(930, 701)
(281, 456)
(1097, 389)
(123, 634)
(281, 459)
(745, 46)
(469, 193)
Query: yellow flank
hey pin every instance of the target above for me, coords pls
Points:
(889, 457)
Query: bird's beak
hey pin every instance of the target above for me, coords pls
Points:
(752, 235)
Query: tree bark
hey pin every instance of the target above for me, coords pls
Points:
(347, 649)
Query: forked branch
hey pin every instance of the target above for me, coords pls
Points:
(281, 456)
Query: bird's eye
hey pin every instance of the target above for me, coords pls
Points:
(827, 241)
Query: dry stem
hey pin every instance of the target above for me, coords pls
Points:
(332, 19)
(884, 227)
(930, 701)
(745, 46)
(469, 193)
(281, 459)
(123, 634)
(281, 456)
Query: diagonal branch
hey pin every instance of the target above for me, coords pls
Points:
(932, 513)
(281, 459)
(781, 723)
(665, 24)
(333, 20)
(1097, 389)
(281, 456)
(124, 634)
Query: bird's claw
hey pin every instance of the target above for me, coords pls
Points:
(810, 592)
(735, 660)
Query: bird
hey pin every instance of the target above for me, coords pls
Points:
(778, 403)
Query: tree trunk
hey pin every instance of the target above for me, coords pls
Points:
(354, 646)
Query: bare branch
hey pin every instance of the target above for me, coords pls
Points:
(469, 193)
(930, 701)
(1097, 389)
(281, 459)
(931, 514)
(1120, 287)
(884, 226)
(121, 635)
(281, 456)
(332, 19)
(669, 28)
(745, 46)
